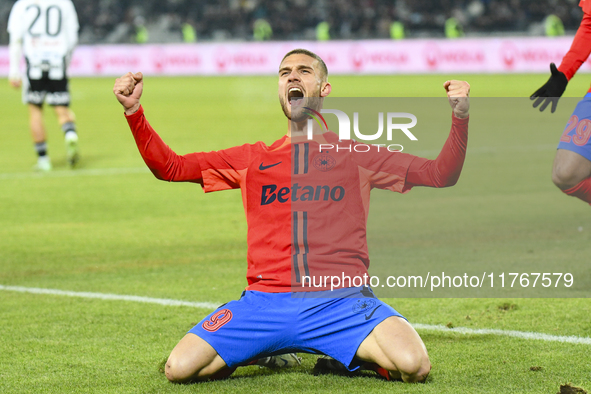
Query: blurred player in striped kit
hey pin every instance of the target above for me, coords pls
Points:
(45, 32)
(572, 165)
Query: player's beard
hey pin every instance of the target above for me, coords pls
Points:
(284, 107)
(297, 112)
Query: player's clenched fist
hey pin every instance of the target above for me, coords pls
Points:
(458, 93)
(128, 90)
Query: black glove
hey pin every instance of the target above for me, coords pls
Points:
(551, 91)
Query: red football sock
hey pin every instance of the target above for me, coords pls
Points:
(581, 191)
(384, 373)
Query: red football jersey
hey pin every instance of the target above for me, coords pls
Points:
(306, 208)
(586, 6)
(306, 201)
(581, 46)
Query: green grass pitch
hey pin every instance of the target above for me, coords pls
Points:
(111, 227)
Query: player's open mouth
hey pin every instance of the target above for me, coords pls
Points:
(295, 96)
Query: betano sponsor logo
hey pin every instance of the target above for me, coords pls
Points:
(270, 194)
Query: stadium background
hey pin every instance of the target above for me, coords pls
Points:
(108, 229)
(115, 21)
(249, 37)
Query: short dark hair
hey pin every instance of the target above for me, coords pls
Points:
(301, 51)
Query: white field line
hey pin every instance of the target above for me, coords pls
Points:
(506, 333)
(208, 305)
(114, 297)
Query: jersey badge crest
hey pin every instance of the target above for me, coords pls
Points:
(324, 162)
(363, 305)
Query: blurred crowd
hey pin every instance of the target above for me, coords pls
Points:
(124, 21)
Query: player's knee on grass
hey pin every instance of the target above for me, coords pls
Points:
(193, 359)
(395, 346)
(419, 375)
(413, 365)
(177, 370)
(181, 371)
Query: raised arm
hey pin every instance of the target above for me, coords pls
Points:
(578, 53)
(446, 168)
(164, 163)
(128, 90)
(579, 50)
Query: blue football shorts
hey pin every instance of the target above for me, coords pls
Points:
(265, 324)
(576, 136)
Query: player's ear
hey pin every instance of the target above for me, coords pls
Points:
(325, 89)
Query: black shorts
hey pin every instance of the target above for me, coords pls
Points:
(52, 91)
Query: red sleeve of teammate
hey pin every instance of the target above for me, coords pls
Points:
(581, 46)
(160, 159)
(446, 168)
